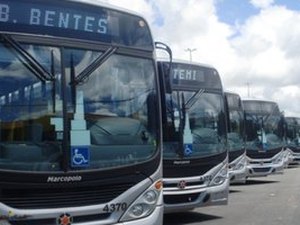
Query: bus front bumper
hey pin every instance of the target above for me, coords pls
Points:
(294, 158)
(264, 169)
(238, 170)
(188, 200)
(155, 218)
(238, 176)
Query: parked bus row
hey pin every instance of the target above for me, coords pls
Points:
(94, 129)
(269, 139)
(213, 138)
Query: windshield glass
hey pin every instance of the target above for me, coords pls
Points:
(235, 134)
(110, 115)
(203, 129)
(293, 131)
(264, 126)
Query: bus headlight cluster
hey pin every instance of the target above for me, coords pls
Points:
(240, 165)
(277, 160)
(145, 204)
(220, 177)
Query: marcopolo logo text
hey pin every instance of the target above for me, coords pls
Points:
(54, 179)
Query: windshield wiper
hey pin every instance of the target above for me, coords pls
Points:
(28, 60)
(93, 66)
(182, 117)
(192, 100)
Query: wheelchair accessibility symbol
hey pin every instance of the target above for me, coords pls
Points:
(80, 156)
(188, 149)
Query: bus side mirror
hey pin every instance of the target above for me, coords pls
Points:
(165, 69)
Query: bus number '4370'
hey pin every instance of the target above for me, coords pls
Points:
(115, 207)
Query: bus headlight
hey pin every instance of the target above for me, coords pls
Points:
(220, 177)
(145, 204)
(137, 210)
(239, 166)
(277, 160)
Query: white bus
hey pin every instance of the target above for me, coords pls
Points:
(264, 125)
(236, 138)
(195, 157)
(293, 139)
(80, 120)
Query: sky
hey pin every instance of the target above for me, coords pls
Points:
(254, 44)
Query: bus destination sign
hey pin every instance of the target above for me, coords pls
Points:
(34, 15)
(187, 76)
(193, 77)
(70, 19)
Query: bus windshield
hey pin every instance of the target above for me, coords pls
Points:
(293, 131)
(235, 122)
(204, 123)
(235, 134)
(264, 125)
(108, 112)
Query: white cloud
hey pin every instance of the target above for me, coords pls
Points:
(268, 46)
(261, 3)
(194, 24)
(288, 98)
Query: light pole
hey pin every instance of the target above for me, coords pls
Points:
(248, 88)
(190, 52)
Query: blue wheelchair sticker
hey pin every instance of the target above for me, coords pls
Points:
(80, 156)
(188, 149)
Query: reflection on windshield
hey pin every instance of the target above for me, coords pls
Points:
(117, 109)
(235, 134)
(293, 131)
(205, 122)
(264, 131)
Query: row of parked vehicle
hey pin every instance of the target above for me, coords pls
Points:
(213, 138)
(268, 142)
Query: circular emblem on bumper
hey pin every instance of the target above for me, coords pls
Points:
(182, 184)
(65, 219)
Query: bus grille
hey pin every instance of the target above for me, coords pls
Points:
(34, 198)
(188, 184)
(76, 219)
(261, 170)
(178, 199)
(260, 162)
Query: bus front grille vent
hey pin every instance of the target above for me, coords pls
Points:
(44, 198)
(179, 199)
(76, 219)
(261, 170)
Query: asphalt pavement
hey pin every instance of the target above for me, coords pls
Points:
(272, 200)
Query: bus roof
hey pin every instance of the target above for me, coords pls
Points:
(291, 119)
(186, 62)
(260, 101)
(76, 19)
(260, 106)
(233, 94)
(233, 100)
